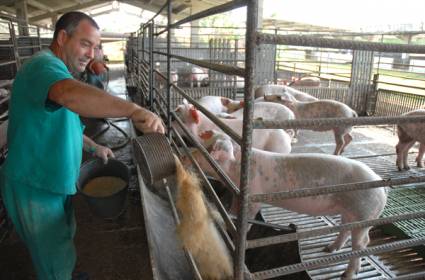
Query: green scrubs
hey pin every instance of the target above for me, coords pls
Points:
(45, 143)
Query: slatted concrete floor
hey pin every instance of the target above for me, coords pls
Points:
(375, 147)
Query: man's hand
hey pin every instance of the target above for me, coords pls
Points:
(146, 121)
(104, 153)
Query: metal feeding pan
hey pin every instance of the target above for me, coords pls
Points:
(155, 157)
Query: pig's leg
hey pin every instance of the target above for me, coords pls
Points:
(340, 240)
(358, 241)
(406, 153)
(400, 149)
(347, 139)
(339, 140)
(420, 155)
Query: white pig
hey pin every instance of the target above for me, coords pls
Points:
(271, 172)
(280, 89)
(408, 134)
(321, 109)
(265, 110)
(218, 104)
(274, 140)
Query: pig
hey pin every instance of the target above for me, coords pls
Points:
(272, 172)
(218, 104)
(266, 110)
(321, 109)
(274, 140)
(408, 134)
(306, 82)
(279, 90)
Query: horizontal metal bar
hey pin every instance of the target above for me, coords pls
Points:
(277, 196)
(28, 47)
(412, 276)
(329, 122)
(335, 258)
(209, 12)
(261, 242)
(222, 68)
(7, 62)
(314, 41)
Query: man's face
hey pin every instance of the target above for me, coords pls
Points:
(79, 48)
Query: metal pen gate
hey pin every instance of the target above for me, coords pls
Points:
(161, 102)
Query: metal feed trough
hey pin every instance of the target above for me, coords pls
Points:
(156, 172)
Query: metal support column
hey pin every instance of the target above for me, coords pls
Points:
(242, 226)
(169, 69)
(151, 65)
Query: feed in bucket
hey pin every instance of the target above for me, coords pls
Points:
(104, 186)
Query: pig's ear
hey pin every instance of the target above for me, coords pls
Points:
(195, 115)
(206, 135)
(225, 101)
(185, 102)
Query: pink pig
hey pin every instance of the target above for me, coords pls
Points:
(280, 90)
(271, 172)
(218, 104)
(321, 109)
(408, 135)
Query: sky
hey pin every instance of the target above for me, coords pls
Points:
(348, 14)
(370, 15)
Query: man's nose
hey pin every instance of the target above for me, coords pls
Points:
(90, 53)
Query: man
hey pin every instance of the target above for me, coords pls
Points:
(45, 142)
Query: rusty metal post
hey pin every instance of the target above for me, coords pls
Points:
(242, 226)
(169, 69)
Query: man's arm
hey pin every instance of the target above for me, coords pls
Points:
(89, 101)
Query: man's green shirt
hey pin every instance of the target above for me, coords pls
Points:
(45, 140)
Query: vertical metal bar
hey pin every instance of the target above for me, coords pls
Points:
(274, 61)
(151, 65)
(40, 46)
(15, 45)
(242, 225)
(168, 69)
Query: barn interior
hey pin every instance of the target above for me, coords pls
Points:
(182, 49)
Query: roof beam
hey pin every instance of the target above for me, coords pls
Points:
(39, 5)
(7, 2)
(67, 9)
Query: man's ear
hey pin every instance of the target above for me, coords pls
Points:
(62, 37)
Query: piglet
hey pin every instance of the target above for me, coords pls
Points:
(271, 172)
(321, 109)
(408, 134)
